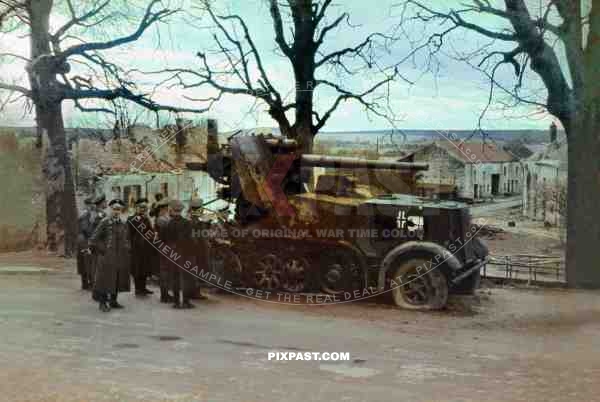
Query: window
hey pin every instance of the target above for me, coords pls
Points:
(411, 223)
(131, 194)
(164, 189)
(116, 192)
(504, 170)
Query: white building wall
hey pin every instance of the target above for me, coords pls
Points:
(184, 186)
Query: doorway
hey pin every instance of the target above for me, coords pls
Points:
(495, 184)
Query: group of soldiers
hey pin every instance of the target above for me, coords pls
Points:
(113, 249)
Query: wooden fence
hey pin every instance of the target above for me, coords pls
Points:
(526, 267)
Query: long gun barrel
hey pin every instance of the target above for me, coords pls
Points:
(346, 162)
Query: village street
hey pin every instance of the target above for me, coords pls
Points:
(501, 204)
(502, 345)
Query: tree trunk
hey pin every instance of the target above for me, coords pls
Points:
(61, 210)
(583, 227)
(583, 204)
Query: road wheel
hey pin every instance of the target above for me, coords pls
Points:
(414, 287)
(339, 272)
(268, 274)
(294, 274)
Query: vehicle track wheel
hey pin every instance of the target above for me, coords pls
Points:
(294, 274)
(414, 287)
(339, 272)
(268, 274)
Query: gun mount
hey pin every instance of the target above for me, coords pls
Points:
(248, 165)
(334, 233)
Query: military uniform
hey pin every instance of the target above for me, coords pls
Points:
(111, 244)
(83, 256)
(199, 244)
(160, 229)
(141, 249)
(88, 223)
(178, 236)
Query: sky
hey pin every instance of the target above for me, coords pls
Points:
(451, 98)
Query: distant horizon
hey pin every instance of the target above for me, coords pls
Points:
(330, 131)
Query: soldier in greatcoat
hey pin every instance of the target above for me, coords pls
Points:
(83, 236)
(155, 253)
(178, 236)
(96, 215)
(141, 247)
(160, 229)
(198, 255)
(111, 244)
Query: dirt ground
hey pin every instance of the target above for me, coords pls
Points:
(525, 237)
(503, 344)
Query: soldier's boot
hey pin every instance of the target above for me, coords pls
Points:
(142, 286)
(187, 305)
(104, 307)
(103, 304)
(189, 288)
(113, 302)
(165, 297)
(85, 284)
(176, 287)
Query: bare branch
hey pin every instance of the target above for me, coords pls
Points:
(80, 20)
(278, 27)
(337, 55)
(348, 95)
(150, 17)
(528, 34)
(124, 93)
(15, 88)
(330, 27)
(16, 56)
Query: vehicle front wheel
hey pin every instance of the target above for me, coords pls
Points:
(414, 286)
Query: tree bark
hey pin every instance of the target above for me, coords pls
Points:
(583, 227)
(61, 210)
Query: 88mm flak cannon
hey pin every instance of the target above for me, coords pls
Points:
(342, 231)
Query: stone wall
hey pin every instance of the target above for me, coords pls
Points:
(23, 219)
(545, 194)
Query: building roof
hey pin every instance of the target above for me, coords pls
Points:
(554, 154)
(477, 152)
(118, 157)
(472, 152)
(124, 156)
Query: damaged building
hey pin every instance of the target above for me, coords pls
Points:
(146, 162)
(467, 170)
(545, 186)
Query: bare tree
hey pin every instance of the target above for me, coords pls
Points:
(52, 81)
(10, 9)
(524, 36)
(242, 71)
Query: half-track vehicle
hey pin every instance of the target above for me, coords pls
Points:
(298, 231)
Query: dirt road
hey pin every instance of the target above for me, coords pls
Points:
(508, 345)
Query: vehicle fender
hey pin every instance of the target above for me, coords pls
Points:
(438, 254)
